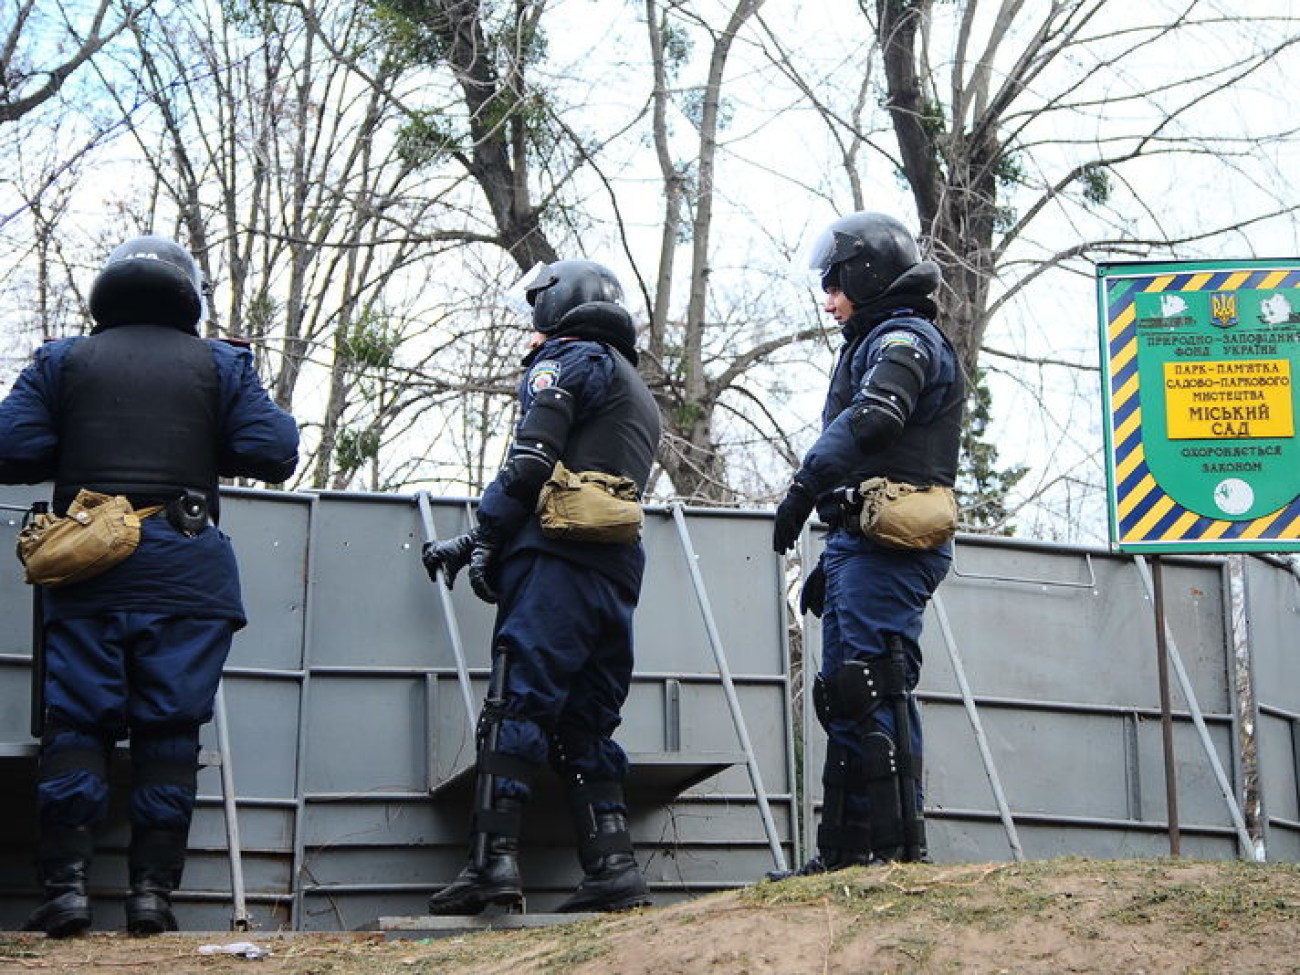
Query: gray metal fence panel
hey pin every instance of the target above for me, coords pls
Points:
(1059, 651)
(351, 743)
(385, 718)
(270, 534)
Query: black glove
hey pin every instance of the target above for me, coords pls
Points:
(447, 557)
(790, 516)
(480, 567)
(813, 597)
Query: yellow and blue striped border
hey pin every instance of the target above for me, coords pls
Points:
(1142, 516)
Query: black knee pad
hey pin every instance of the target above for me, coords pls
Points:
(857, 689)
(66, 749)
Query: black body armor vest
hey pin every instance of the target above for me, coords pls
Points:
(138, 415)
(926, 455)
(622, 437)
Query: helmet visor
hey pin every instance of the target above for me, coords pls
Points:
(522, 295)
(831, 247)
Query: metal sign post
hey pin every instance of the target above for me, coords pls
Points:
(1166, 710)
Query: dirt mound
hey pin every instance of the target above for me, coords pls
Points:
(1046, 916)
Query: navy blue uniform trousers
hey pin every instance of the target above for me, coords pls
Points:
(145, 675)
(873, 592)
(567, 631)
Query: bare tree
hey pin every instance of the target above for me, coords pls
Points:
(40, 282)
(1026, 136)
(486, 51)
(360, 181)
(33, 64)
(974, 130)
(691, 456)
(49, 133)
(288, 179)
(532, 154)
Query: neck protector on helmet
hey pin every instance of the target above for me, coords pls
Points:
(911, 290)
(599, 321)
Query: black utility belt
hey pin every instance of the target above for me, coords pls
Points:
(845, 512)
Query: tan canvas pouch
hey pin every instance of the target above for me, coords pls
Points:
(905, 516)
(97, 533)
(589, 506)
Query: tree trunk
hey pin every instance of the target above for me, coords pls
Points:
(497, 159)
(952, 175)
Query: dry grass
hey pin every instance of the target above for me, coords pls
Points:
(1067, 915)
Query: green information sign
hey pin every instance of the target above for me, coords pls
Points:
(1200, 363)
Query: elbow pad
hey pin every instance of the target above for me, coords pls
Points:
(538, 443)
(875, 424)
(891, 391)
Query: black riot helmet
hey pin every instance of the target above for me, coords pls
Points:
(863, 254)
(558, 288)
(148, 281)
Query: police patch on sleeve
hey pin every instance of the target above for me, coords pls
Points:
(899, 338)
(543, 375)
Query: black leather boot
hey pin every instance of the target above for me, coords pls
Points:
(914, 850)
(611, 881)
(155, 863)
(496, 879)
(825, 861)
(840, 845)
(62, 866)
(843, 839)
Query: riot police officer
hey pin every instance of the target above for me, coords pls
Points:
(562, 640)
(145, 408)
(893, 411)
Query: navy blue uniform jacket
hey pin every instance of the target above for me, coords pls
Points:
(588, 370)
(169, 573)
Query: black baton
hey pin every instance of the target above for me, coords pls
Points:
(907, 779)
(490, 734)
